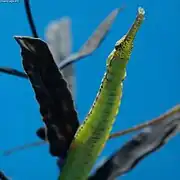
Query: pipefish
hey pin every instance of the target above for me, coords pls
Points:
(94, 132)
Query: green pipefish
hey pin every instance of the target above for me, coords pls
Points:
(94, 132)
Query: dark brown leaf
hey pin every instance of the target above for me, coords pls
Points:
(145, 143)
(52, 94)
(3, 176)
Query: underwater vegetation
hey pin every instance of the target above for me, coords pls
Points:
(49, 69)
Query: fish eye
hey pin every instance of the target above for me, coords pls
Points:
(117, 45)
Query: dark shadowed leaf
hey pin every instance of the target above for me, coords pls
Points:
(52, 94)
(146, 142)
(3, 176)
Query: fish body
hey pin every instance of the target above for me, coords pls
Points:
(94, 132)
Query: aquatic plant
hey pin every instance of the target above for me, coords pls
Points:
(70, 141)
